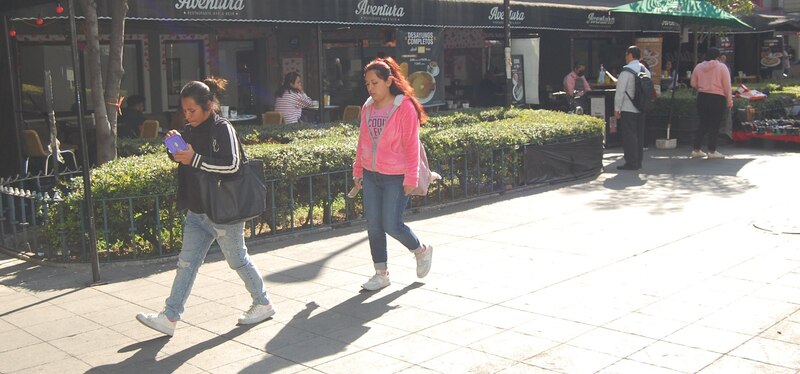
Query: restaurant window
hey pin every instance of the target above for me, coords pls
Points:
(343, 77)
(183, 63)
(37, 58)
(237, 64)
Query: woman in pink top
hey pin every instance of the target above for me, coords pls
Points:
(712, 80)
(387, 165)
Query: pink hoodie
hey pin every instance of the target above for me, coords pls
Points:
(713, 77)
(398, 147)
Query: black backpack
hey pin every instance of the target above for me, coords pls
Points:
(644, 91)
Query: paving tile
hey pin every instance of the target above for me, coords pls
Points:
(611, 342)
(645, 325)
(708, 338)
(466, 360)
(626, 366)
(770, 351)
(730, 364)
(513, 345)
(412, 319)
(787, 331)
(264, 363)
(500, 317)
(414, 348)
(676, 357)
(270, 336)
(460, 331)
(38, 314)
(563, 359)
(67, 365)
(92, 304)
(368, 335)
(215, 353)
(117, 359)
(363, 362)
(314, 352)
(554, 329)
(15, 339)
(30, 356)
(70, 326)
(86, 342)
(749, 315)
(523, 368)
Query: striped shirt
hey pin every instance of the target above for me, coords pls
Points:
(291, 104)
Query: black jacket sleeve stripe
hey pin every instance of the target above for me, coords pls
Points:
(228, 161)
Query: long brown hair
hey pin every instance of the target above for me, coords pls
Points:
(387, 67)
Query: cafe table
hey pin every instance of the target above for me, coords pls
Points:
(327, 114)
(242, 118)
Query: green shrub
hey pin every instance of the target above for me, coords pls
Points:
(308, 170)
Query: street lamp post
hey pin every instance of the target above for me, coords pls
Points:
(507, 23)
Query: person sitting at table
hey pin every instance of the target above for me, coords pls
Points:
(130, 123)
(290, 98)
(669, 77)
(575, 83)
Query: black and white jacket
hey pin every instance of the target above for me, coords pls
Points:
(217, 150)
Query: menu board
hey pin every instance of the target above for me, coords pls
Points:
(419, 53)
(651, 56)
(771, 53)
(517, 80)
(725, 45)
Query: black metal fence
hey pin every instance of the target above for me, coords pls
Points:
(51, 224)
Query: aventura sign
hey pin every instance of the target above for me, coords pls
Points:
(384, 12)
(600, 21)
(210, 7)
(497, 15)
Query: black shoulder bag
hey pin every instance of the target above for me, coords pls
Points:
(237, 197)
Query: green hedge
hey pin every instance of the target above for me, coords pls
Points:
(136, 210)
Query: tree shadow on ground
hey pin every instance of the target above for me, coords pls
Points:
(665, 184)
(309, 271)
(349, 317)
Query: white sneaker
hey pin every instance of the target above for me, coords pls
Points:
(698, 154)
(424, 256)
(377, 282)
(715, 155)
(158, 322)
(256, 314)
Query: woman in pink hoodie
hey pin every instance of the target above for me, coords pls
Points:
(387, 165)
(712, 80)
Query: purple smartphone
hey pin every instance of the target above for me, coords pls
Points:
(175, 143)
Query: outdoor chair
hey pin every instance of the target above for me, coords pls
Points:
(149, 129)
(273, 118)
(33, 148)
(351, 113)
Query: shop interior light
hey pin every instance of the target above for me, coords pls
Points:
(59, 8)
(40, 20)
(13, 32)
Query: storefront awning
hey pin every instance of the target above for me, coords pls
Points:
(411, 13)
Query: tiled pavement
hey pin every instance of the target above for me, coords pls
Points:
(661, 271)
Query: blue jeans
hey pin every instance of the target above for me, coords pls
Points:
(198, 234)
(384, 203)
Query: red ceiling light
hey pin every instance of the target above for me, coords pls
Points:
(13, 32)
(59, 8)
(40, 21)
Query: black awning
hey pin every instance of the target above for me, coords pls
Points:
(773, 21)
(421, 13)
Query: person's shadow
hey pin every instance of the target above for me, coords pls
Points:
(144, 361)
(352, 315)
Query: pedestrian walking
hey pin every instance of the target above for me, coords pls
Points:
(712, 80)
(386, 166)
(290, 99)
(211, 147)
(631, 119)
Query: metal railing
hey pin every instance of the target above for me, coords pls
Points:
(51, 224)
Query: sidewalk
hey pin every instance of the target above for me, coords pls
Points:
(661, 271)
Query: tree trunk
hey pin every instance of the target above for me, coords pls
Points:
(103, 132)
(119, 8)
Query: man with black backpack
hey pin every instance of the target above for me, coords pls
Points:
(631, 100)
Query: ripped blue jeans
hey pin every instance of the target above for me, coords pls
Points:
(198, 234)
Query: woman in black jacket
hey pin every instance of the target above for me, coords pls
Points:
(212, 147)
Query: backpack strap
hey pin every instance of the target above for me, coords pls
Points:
(635, 76)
